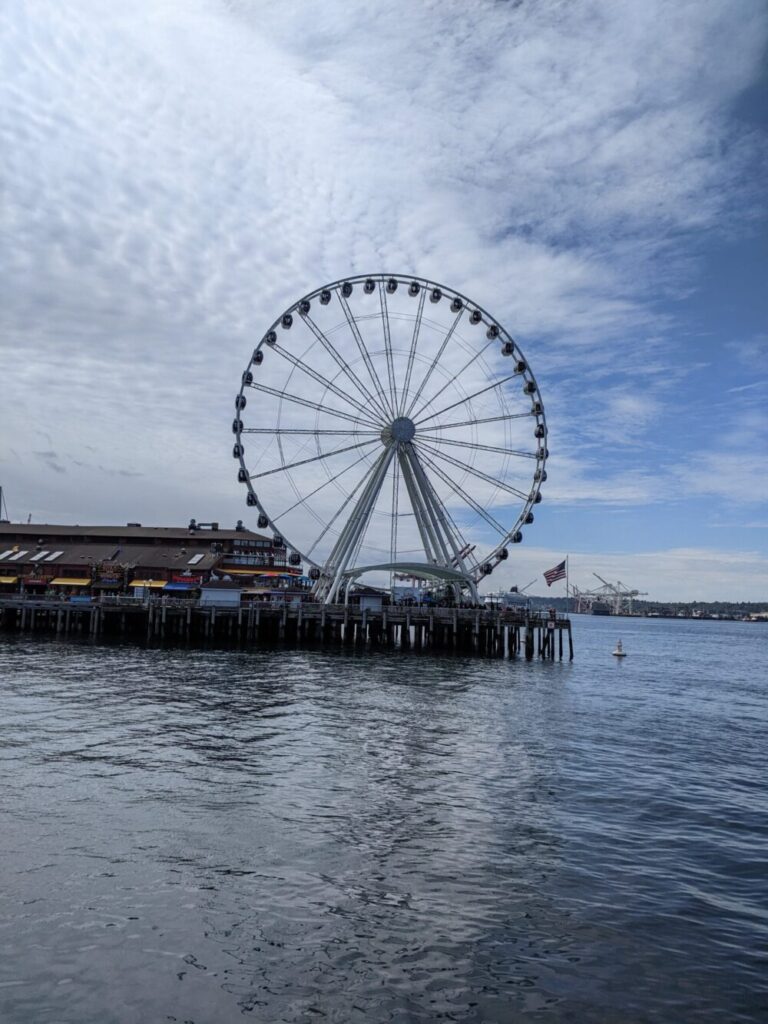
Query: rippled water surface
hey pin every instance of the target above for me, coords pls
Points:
(207, 835)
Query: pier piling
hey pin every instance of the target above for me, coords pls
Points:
(443, 630)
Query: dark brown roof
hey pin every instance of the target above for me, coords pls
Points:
(150, 532)
(149, 556)
(69, 553)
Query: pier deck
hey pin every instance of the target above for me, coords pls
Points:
(484, 632)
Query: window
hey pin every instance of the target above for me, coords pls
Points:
(54, 556)
(195, 559)
(242, 559)
(40, 554)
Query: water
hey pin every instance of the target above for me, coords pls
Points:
(212, 836)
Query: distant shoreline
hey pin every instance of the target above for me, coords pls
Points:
(728, 611)
(754, 617)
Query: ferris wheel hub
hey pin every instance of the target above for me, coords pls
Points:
(400, 430)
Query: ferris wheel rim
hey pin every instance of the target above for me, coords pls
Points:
(364, 424)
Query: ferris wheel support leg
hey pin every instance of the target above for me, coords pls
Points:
(438, 538)
(321, 588)
(427, 540)
(357, 524)
(441, 548)
(439, 516)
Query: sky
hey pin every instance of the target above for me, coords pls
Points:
(175, 173)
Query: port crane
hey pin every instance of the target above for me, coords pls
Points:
(618, 596)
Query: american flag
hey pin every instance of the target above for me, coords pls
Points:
(552, 575)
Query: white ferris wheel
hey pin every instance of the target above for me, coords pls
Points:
(387, 424)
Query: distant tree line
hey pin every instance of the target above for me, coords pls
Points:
(737, 609)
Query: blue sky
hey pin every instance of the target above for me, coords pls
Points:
(174, 174)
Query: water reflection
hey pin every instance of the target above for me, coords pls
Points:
(201, 834)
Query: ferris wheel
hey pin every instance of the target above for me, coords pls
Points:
(386, 424)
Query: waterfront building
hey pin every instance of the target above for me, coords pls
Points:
(51, 558)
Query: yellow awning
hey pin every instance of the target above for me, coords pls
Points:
(66, 581)
(148, 583)
(8, 579)
(255, 572)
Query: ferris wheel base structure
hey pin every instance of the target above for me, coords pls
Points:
(416, 570)
(401, 418)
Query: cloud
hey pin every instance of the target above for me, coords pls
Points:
(737, 478)
(51, 460)
(750, 352)
(176, 174)
(664, 574)
(202, 148)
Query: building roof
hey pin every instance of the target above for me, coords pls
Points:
(51, 555)
(149, 532)
(137, 556)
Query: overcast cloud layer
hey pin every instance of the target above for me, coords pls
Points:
(175, 173)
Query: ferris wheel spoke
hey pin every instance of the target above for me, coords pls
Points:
(341, 508)
(436, 360)
(345, 367)
(463, 401)
(330, 480)
(478, 447)
(308, 430)
(313, 458)
(477, 472)
(466, 498)
(362, 348)
(310, 405)
(412, 353)
(388, 344)
(323, 381)
(485, 419)
(456, 376)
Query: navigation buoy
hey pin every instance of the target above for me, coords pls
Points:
(619, 652)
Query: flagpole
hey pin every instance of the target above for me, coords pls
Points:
(567, 587)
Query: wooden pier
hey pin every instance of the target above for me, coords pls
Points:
(444, 630)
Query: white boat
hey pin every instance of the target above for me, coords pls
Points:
(619, 652)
